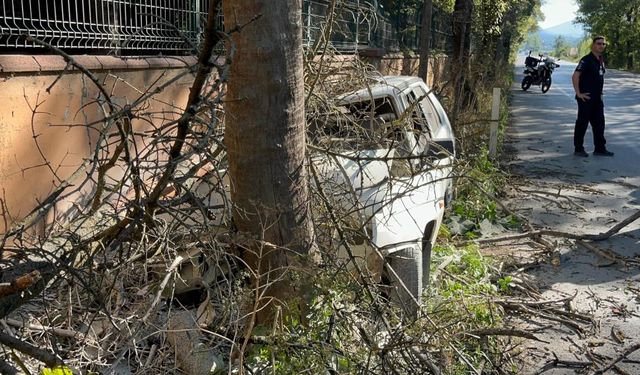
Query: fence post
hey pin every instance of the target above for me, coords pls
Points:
(195, 20)
(495, 120)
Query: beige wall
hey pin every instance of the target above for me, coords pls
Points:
(44, 136)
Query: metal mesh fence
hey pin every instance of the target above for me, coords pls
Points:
(357, 24)
(171, 26)
(441, 31)
(384, 36)
(350, 28)
(406, 32)
(107, 25)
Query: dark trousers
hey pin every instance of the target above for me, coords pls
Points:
(591, 111)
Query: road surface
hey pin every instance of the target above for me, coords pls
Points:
(585, 196)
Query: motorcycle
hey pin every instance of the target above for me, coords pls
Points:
(538, 72)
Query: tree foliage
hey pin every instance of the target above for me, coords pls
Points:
(533, 42)
(618, 21)
(500, 26)
(561, 47)
(497, 28)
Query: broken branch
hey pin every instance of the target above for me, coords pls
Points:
(20, 284)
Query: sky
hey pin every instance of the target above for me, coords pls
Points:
(557, 12)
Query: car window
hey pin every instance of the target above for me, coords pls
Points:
(379, 107)
(429, 111)
(417, 115)
(421, 128)
(425, 123)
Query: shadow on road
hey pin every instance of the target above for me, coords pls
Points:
(580, 266)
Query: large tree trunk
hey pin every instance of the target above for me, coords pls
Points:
(425, 39)
(462, 15)
(265, 135)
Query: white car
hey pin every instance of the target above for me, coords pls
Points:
(400, 184)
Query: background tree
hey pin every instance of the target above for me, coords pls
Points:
(402, 14)
(584, 47)
(561, 47)
(265, 132)
(498, 28)
(618, 21)
(520, 18)
(462, 18)
(425, 38)
(533, 43)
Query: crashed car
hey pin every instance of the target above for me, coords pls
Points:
(388, 163)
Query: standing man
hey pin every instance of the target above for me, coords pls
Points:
(588, 80)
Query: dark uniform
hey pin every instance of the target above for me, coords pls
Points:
(591, 111)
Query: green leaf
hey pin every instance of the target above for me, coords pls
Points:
(58, 370)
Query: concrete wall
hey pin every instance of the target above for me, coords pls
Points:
(43, 117)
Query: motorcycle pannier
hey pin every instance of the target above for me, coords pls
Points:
(530, 61)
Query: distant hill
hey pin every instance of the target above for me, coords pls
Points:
(568, 29)
(573, 33)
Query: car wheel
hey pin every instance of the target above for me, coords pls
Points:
(405, 278)
(526, 83)
(546, 84)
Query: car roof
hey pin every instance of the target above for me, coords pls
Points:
(385, 86)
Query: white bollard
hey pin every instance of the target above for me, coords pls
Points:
(495, 120)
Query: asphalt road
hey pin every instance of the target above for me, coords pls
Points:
(546, 122)
(584, 196)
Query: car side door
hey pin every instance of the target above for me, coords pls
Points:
(436, 140)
